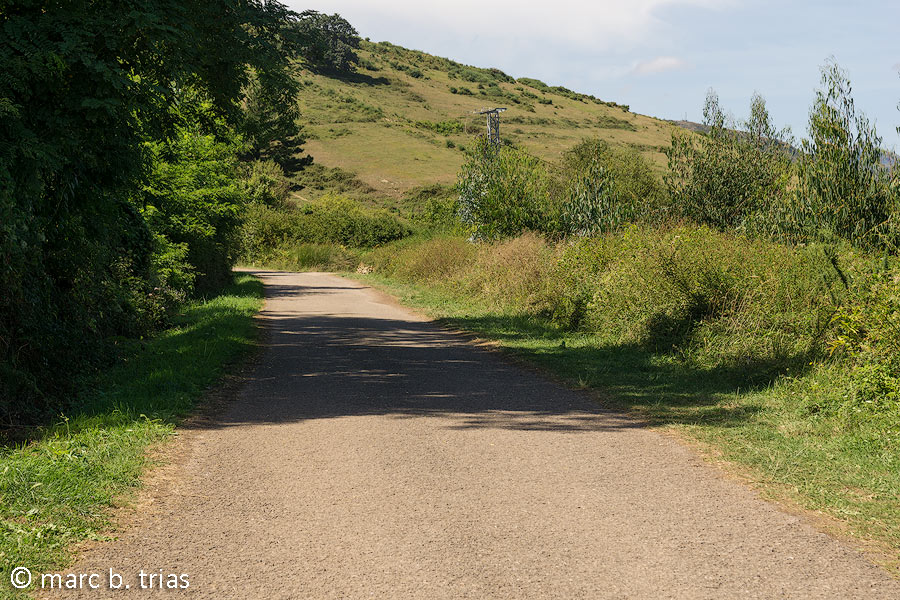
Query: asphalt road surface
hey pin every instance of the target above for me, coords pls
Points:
(371, 454)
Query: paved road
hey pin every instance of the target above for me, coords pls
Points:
(372, 454)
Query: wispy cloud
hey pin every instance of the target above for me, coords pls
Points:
(660, 64)
(896, 66)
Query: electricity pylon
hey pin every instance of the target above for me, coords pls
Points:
(493, 123)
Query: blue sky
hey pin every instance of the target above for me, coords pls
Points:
(660, 56)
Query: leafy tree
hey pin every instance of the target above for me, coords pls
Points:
(592, 205)
(270, 123)
(633, 189)
(84, 84)
(193, 198)
(504, 191)
(728, 175)
(844, 188)
(327, 43)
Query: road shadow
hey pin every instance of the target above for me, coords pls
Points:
(318, 366)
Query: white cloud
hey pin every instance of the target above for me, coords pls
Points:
(896, 67)
(659, 64)
(596, 25)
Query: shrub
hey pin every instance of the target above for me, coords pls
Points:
(193, 198)
(265, 183)
(443, 259)
(714, 299)
(449, 127)
(310, 257)
(727, 176)
(592, 205)
(332, 220)
(844, 188)
(504, 191)
(512, 272)
(621, 181)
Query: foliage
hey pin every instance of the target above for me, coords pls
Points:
(327, 43)
(448, 127)
(304, 256)
(192, 197)
(78, 263)
(56, 488)
(269, 123)
(844, 188)
(726, 177)
(504, 191)
(265, 183)
(332, 179)
(592, 206)
(330, 220)
(621, 184)
(710, 299)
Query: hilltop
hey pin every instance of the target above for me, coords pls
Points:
(405, 118)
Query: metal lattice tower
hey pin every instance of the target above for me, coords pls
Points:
(493, 123)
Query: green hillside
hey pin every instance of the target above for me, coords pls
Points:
(405, 118)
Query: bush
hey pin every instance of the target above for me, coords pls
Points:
(726, 177)
(265, 183)
(441, 127)
(618, 183)
(310, 257)
(844, 188)
(504, 191)
(332, 220)
(512, 273)
(714, 299)
(193, 198)
(441, 259)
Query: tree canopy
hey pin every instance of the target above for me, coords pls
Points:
(327, 43)
(109, 113)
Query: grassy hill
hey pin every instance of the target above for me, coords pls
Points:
(404, 120)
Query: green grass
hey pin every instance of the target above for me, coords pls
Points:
(391, 129)
(770, 428)
(296, 256)
(56, 489)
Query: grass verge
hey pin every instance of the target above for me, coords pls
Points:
(56, 489)
(809, 458)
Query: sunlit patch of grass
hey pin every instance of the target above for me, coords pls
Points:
(56, 489)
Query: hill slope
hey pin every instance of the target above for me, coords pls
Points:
(405, 118)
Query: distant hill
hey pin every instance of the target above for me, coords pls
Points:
(402, 121)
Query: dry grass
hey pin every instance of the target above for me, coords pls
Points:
(353, 123)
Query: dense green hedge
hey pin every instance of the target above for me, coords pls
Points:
(331, 220)
(119, 129)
